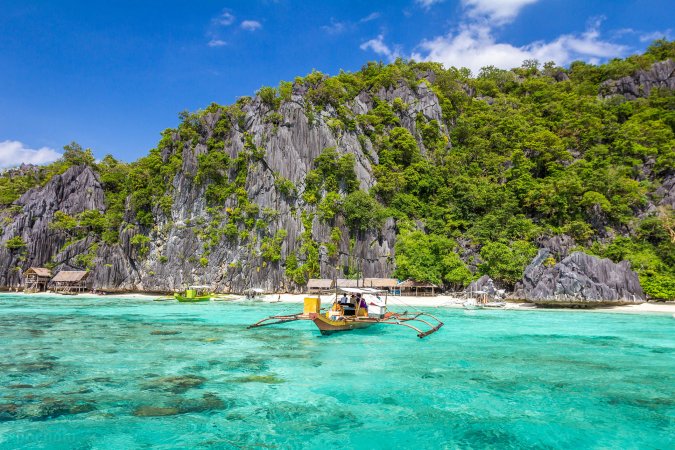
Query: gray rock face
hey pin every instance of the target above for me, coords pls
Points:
(176, 255)
(76, 190)
(487, 285)
(640, 84)
(559, 245)
(579, 279)
(667, 192)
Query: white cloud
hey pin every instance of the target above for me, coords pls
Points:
(251, 25)
(226, 19)
(378, 46)
(335, 27)
(339, 27)
(649, 37)
(474, 46)
(495, 11)
(426, 4)
(369, 17)
(14, 153)
(216, 43)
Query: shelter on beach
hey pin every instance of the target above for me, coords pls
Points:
(36, 279)
(417, 288)
(319, 285)
(386, 284)
(70, 281)
(347, 283)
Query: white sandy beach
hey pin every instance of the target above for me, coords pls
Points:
(403, 302)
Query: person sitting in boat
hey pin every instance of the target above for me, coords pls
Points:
(363, 304)
(344, 300)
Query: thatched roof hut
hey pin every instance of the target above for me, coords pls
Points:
(345, 283)
(70, 281)
(418, 287)
(380, 283)
(319, 284)
(35, 279)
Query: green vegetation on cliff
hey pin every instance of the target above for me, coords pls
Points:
(533, 152)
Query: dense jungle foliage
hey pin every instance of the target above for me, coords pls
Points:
(521, 154)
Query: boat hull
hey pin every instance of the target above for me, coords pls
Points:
(201, 298)
(327, 326)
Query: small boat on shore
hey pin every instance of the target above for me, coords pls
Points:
(365, 309)
(194, 294)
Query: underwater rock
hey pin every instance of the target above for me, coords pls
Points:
(155, 411)
(20, 386)
(208, 402)
(8, 411)
(164, 332)
(175, 384)
(52, 408)
(267, 379)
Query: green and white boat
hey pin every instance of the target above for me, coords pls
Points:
(194, 294)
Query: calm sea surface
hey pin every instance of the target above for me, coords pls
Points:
(106, 373)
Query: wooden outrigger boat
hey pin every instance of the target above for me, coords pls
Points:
(343, 315)
(194, 294)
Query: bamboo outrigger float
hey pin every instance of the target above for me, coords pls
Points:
(346, 316)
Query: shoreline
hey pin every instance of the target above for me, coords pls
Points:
(439, 301)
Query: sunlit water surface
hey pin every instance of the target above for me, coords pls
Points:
(105, 373)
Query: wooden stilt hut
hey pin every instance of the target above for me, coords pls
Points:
(36, 279)
(69, 282)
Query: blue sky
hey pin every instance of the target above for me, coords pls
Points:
(112, 75)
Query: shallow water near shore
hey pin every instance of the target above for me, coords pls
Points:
(100, 372)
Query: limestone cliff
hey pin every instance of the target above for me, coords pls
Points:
(579, 279)
(175, 252)
(660, 76)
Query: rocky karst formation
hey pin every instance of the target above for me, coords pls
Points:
(579, 279)
(75, 191)
(640, 84)
(176, 241)
(268, 147)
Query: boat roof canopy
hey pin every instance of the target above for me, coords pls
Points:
(361, 290)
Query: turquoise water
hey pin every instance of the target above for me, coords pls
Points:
(99, 373)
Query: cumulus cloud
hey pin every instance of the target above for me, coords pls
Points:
(251, 25)
(14, 153)
(474, 46)
(496, 11)
(473, 43)
(378, 46)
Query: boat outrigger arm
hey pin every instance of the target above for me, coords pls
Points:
(343, 318)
